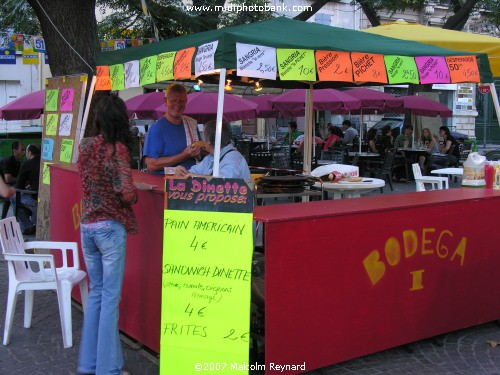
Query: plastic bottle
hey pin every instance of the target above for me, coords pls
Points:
(489, 174)
(474, 171)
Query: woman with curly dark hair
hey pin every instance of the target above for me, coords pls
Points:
(107, 217)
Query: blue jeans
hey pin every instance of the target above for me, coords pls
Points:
(27, 212)
(103, 245)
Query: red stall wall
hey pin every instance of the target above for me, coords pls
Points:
(141, 295)
(348, 278)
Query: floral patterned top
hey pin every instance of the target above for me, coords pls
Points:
(108, 189)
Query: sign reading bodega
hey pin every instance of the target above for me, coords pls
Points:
(430, 242)
(215, 194)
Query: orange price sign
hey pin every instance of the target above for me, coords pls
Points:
(182, 63)
(334, 66)
(368, 67)
(103, 83)
(463, 69)
(102, 70)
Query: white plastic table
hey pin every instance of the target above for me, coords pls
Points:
(346, 189)
(449, 171)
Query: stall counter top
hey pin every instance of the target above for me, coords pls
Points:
(151, 179)
(318, 209)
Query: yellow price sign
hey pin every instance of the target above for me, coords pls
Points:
(46, 173)
(66, 150)
(52, 122)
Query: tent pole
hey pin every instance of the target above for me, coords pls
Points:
(220, 111)
(494, 95)
(361, 131)
(308, 130)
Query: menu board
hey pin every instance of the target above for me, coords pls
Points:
(64, 98)
(206, 281)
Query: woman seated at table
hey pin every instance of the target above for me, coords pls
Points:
(386, 140)
(431, 146)
(333, 137)
(371, 137)
(231, 163)
(449, 146)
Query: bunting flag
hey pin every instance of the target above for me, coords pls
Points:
(149, 18)
(294, 64)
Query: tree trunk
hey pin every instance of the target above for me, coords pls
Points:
(370, 12)
(462, 13)
(315, 7)
(75, 20)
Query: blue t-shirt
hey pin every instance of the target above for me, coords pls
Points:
(166, 139)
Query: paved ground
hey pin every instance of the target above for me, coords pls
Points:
(39, 350)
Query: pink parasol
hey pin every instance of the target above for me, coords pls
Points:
(265, 105)
(422, 106)
(27, 107)
(292, 102)
(201, 105)
(144, 106)
(374, 101)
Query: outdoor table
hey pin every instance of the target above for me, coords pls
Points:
(449, 171)
(346, 189)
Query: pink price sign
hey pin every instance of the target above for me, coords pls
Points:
(432, 69)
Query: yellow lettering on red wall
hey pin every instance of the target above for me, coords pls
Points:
(410, 242)
(76, 213)
(442, 250)
(374, 267)
(460, 251)
(416, 280)
(425, 241)
(392, 251)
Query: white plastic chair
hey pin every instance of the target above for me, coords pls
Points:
(437, 183)
(30, 272)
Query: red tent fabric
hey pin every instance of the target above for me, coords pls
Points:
(374, 101)
(293, 102)
(27, 107)
(422, 106)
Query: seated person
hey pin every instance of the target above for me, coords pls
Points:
(405, 139)
(27, 179)
(446, 147)
(350, 134)
(231, 163)
(430, 144)
(9, 169)
(371, 137)
(291, 135)
(401, 162)
(333, 137)
(386, 140)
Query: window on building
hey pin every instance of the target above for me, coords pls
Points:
(323, 19)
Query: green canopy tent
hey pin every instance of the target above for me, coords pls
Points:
(284, 33)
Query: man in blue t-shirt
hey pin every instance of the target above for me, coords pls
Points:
(171, 141)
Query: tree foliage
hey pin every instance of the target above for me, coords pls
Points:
(460, 10)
